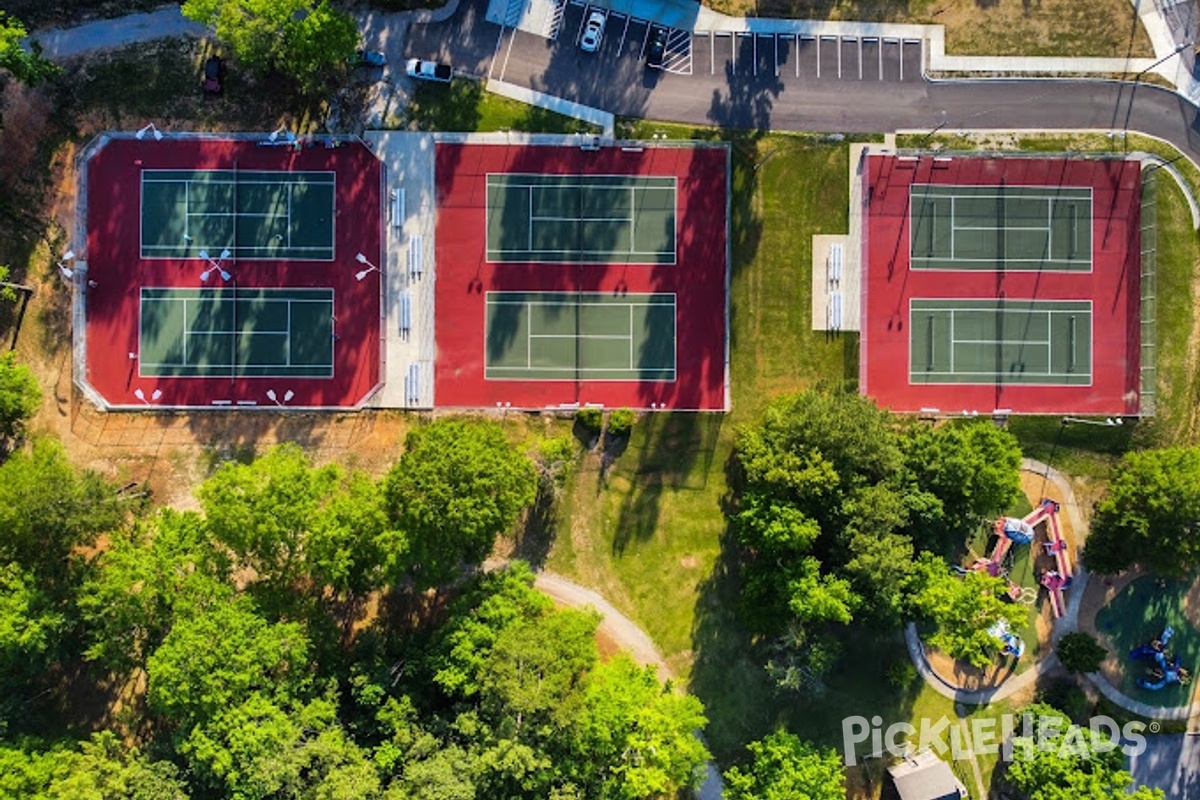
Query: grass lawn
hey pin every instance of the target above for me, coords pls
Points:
(996, 27)
(646, 532)
(464, 105)
(1136, 616)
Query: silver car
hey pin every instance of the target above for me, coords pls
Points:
(593, 31)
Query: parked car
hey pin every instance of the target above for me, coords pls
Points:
(214, 75)
(593, 31)
(429, 70)
(656, 49)
(368, 58)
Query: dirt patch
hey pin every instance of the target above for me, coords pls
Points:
(960, 673)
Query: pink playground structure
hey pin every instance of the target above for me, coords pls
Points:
(1058, 579)
(1010, 531)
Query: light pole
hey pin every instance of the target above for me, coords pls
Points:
(1107, 422)
(1137, 79)
(63, 269)
(215, 265)
(360, 258)
(141, 134)
(274, 398)
(140, 395)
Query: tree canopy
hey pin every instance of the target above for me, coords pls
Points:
(835, 500)
(962, 609)
(25, 64)
(298, 38)
(458, 485)
(1060, 763)
(19, 395)
(1150, 514)
(785, 767)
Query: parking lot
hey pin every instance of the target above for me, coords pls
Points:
(796, 56)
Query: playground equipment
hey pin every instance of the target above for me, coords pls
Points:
(1055, 580)
(1164, 671)
(1010, 643)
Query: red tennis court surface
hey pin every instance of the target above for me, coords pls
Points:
(893, 289)
(117, 273)
(696, 279)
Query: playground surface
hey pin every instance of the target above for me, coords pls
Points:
(571, 276)
(219, 269)
(985, 280)
(1137, 615)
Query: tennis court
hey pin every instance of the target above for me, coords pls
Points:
(263, 333)
(1000, 228)
(1035, 342)
(581, 219)
(255, 214)
(580, 335)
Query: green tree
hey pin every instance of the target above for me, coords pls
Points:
(301, 531)
(31, 626)
(260, 749)
(302, 39)
(1150, 515)
(786, 767)
(782, 581)
(147, 577)
(972, 467)
(458, 485)
(961, 609)
(219, 658)
(26, 65)
(634, 737)
(1080, 652)
(96, 769)
(48, 510)
(1061, 761)
(812, 449)
(19, 395)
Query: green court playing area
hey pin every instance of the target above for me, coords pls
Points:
(581, 219)
(1000, 228)
(1045, 342)
(580, 336)
(229, 332)
(253, 214)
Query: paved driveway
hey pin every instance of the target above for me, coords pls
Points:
(773, 82)
(1170, 763)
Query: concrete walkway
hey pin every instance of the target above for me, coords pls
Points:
(1069, 623)
(62, 43)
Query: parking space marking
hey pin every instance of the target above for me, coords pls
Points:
(625, 30)
(712, 51)
(677, 57)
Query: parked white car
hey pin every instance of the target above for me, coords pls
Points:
(593, 31)
(429, 70)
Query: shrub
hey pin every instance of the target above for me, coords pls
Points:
(1080, 652)
(591, 420)
(620, 422)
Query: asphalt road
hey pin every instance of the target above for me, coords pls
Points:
(773, 83)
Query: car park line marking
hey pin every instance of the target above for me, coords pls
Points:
(496, 52)
(733, 45)
(645, 40)
(675, 59)
(818, 58)
(776, 56)
(624, 31)
(754, 53)
(860, 58)
(797, 56)
(511, 39)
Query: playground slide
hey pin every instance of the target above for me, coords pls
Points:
(1048, 508)
(1060, 547)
